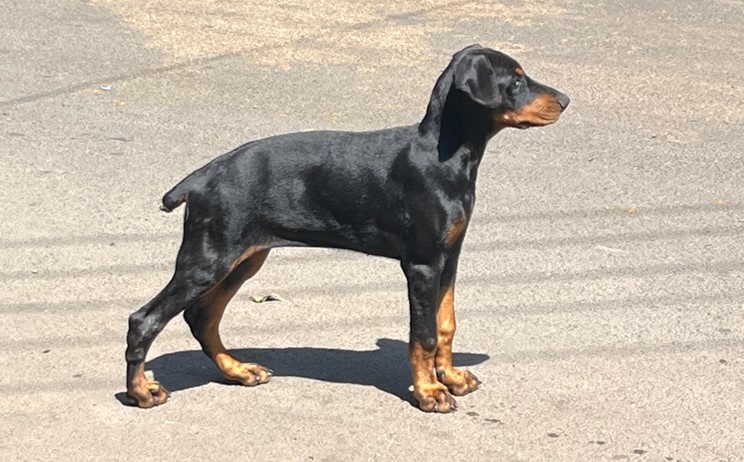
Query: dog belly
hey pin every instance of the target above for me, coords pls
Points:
(371, 242)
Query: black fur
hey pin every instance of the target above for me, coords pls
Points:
(393, 193)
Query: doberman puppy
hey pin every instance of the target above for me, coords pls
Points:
(405, 193)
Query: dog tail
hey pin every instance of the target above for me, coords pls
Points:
(178, 195)
(194, 183)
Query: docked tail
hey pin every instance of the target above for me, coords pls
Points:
(190, 185)
(175, 196)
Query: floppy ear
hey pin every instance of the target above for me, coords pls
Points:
(442, 88)
(475, 77)
(446, 79)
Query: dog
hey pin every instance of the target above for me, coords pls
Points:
(405, 193)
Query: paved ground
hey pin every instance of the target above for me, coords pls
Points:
(601, 287)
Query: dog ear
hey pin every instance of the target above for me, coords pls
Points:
(442, 88)
(475, 77)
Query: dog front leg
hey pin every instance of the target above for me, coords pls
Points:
(459, 382)
(423, 287)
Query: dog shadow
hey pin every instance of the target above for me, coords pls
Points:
(385, 368)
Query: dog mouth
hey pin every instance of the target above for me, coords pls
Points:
(544, 110)
(535, 123)
(524, 122)
(539, 120)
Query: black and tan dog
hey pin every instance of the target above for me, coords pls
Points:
(405, 193)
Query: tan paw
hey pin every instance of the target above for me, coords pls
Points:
(147, 393)
(435, 398)
(459, 382)
(248, 374)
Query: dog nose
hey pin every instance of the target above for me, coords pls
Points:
(563, 100)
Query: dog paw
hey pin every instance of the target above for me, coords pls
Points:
(458, 382)
(248, 374)
(435, 398)
(147, 394)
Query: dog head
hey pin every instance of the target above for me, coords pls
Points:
(497, 82)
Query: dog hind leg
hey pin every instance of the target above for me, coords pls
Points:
(204, 317)
(145, 325)
(201, 265)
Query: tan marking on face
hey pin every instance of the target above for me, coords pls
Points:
(519, 71)
(543, 110)
(455, 231)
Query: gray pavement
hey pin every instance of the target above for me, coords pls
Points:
(601, 289)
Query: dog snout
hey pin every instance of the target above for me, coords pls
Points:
(563, 100)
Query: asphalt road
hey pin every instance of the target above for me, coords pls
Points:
(600, 295)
